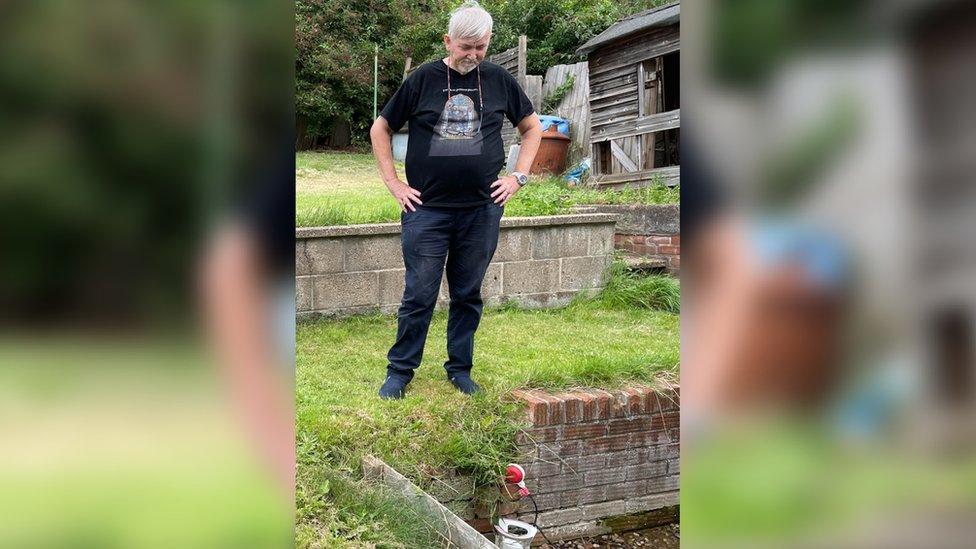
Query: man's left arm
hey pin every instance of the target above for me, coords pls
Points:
(531, 130)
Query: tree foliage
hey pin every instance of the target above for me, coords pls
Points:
(335, 42)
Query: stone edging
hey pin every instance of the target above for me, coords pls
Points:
(444, 521)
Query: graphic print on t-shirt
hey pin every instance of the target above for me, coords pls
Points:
(458, 130)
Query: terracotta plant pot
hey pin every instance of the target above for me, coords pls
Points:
(551, 157)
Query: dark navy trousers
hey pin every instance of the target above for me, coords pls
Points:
(465, 240)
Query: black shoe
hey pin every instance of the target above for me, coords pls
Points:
(465, 384)
(393, 388)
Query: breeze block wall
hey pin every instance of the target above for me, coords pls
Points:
(596, 461)
(540, 262)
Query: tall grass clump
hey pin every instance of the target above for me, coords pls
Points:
(628, 289)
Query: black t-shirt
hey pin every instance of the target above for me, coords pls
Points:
(455, 150)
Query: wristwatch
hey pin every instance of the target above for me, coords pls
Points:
(520, 177)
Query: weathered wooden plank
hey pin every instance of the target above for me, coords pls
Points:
(607, 78)
(643, 125)
(609, 116)
(533, 89)
(504, 56)
(511, 68)
(618, 125)
(641, 107)
(660, 121)
(626, 77)
(669, 176)
(636, 45)
(513, 61)
(406, 67)
(631, 60)
(617, 85)
(616, 92)
(409, 68)
(522, 64)
(629, 45)
(641, 156)
(621, 126)
(447, 524)
(622, 157)
(629, 145)
(608, 109)
(627, 111)
(628, 95)
(613, 60)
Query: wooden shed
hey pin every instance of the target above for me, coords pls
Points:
(635, 99)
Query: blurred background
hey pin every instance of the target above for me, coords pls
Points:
(828, 353)
(146, 220)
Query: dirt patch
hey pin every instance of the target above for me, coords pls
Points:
(661, 537)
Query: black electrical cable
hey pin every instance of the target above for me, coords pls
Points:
(536, 519)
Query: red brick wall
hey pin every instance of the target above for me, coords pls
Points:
(592, 454)
(666, 247)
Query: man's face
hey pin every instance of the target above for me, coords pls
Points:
(466, 53)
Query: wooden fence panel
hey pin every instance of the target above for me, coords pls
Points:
(574, 107)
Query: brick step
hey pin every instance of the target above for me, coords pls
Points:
(641, 264)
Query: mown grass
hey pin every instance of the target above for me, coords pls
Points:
(341, 189)
(605, 341)
(345, 189)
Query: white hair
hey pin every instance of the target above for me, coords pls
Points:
(469, 20)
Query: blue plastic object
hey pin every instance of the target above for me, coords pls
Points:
(562, 125)
(821, 253)
(575, 175)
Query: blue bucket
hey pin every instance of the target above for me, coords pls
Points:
(562, 125)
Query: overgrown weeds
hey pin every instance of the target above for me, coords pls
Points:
(627, 289)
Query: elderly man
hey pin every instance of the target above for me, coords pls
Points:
(454, 198)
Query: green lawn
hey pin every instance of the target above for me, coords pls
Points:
(344, 188)
(627, 334)
(126, 442)
(603, 342)
(788, 481)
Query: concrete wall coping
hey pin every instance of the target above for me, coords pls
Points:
(643, 219)
(506, 223)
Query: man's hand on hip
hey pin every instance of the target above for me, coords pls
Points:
(507, 186)
(405, 195)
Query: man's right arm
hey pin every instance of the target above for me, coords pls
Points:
(379, 135)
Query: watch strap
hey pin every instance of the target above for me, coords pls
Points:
(521, 178)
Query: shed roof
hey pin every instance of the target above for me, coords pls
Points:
(654, 17)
